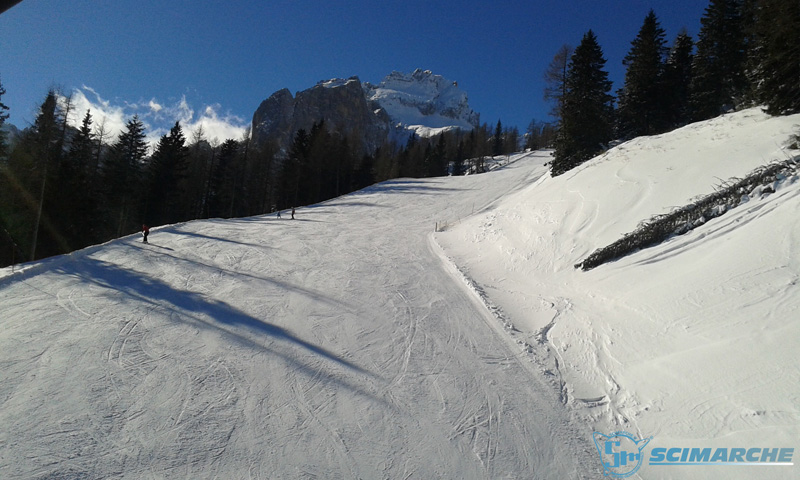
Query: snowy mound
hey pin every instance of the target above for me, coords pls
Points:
(692, 341)
(423, 102)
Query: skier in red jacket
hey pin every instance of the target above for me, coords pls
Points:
(145, 232)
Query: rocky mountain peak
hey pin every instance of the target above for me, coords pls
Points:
(419, 102)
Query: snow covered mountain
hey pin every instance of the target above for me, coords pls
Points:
(356, 342)
(419, 102)
(422, 102)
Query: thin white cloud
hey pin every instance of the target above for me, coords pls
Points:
(157, 117)
(155, 107)
(110, 117)
(219, 128)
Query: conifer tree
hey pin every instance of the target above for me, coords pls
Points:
(539, 135)
(292, 170)
(678, 79)
(3, 118)
(123, 178)
(587, 121)
(78, 184)
(437, 163)
(263, 175)
(510, 140)
(167, 169)
(719, 82)
(47, 148)
(222, 191)
(320, 163)
(555, 78)
(497, 140)
(775, 59)
(641, 100)
(201, 160)
(9, 250)
(28, 177)
(364, 174)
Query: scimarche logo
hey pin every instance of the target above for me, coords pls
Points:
(620, 452)
(622, 455)
(722, 456)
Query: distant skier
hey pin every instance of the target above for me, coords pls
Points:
(279, 214)
(292, 213)
(145, 232)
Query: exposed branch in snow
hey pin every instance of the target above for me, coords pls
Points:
(659, 228)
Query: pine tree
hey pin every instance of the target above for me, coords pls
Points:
(555, 78)
(641, 101)
(719, 82)
(263, 176)
(3, 118)
(587, 121)
(29, 175)
(775, 63)
(677, 80)
(364, 174)
(292, 170)
(458, 160)
(319, 166)
(167, 170)
(201, 162)
(437, 163)
(47, 146)
(510, 140)
(497, 140)
(223, 184)
(539, 135)
(123, 178)
(77, 182)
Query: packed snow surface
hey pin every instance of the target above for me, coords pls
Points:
(336, 345)
(356, 342)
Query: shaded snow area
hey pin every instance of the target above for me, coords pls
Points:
(337, 345)
(693, 342)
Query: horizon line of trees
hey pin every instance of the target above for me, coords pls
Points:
(747, 54)
(64, 188)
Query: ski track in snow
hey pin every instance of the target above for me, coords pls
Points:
(338, 345)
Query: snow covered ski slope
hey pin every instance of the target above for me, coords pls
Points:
(693, 342)
(336, 345)
(356, 342)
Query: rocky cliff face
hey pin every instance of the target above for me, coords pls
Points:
(420, 102)
(340, 103)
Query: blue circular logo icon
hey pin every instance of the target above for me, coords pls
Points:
(620, 452)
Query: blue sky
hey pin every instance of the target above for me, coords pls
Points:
(215, 60)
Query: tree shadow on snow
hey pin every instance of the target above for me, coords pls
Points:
(416, 187)
(216, 268)
(161, 247)
(204, 311)
(174, 231)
